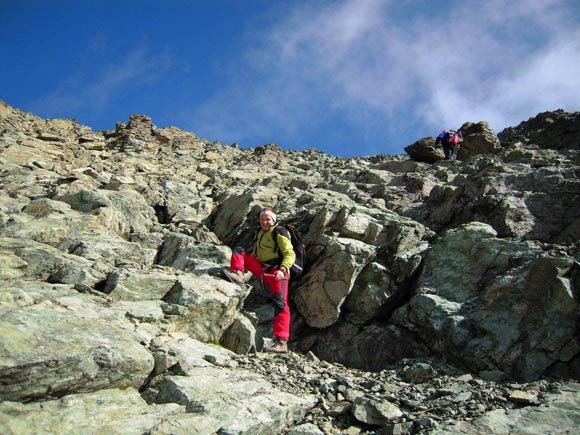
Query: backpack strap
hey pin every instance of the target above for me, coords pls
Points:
(284, 232)
(280, 229)
(255, 242)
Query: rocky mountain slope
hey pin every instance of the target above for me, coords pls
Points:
(438, 296)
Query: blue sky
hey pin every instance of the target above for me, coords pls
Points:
(347, 77)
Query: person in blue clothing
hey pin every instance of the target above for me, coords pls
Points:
(450, 140)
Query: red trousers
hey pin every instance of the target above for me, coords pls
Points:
(243, 261)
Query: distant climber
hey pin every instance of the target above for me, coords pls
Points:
(450, 140)
(270, 261)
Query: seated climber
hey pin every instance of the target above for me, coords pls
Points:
(270, 261)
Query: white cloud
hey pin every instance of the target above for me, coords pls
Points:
(549, 80)
(465, 61)
(306, 65)
(511, 75)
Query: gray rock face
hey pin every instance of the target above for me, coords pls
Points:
(330, 280)
(113, 313)
(243, 404)
(517, 200)
(478, 138)
(424, 151)
(65, 344)
(554, 130)
(207, 305)
(470, 278)
(121, 411)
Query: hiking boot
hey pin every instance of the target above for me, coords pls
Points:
(278, 346)
(235, 276)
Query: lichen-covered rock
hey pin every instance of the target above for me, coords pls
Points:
(320, 298)
(233, 401)
(63, 344)
(114, 411)
(471, 278)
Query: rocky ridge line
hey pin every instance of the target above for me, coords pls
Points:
(111, 245)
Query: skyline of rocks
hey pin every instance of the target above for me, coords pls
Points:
(467, 271)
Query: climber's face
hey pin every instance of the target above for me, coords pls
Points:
(266, 222)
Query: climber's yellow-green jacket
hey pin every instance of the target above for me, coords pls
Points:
(265, 248)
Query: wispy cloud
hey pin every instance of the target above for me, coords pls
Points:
(547, 80)
(496, 61)
(511, 62)
(96, 86)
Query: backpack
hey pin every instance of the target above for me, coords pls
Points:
(451, 137)
(297, 244)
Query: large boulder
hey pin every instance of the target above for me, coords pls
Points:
(131, 284)
(186, 253)
(231, 401)
(424, 151)
(24, 258)
(122, 212)
(321, 296)
(57, 342)
(494, 304)
(112, 411)
(204, 306)
(478, 138)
